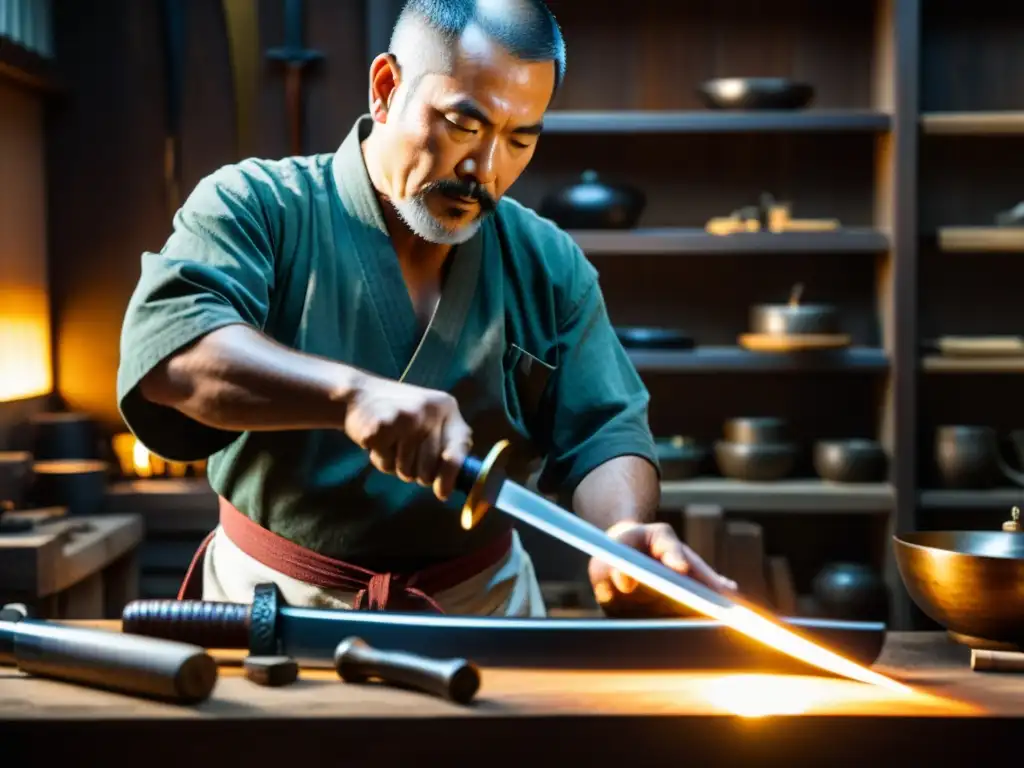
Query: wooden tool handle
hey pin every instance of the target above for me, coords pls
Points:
(457, 680)
(141, 666)
(997, 661)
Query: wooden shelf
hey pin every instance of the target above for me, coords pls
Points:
(714, 359)
(678, 241)
(943, 364)
(973, 123)
(710, 121)
(812, 496)
(996, 498)
(981, 239)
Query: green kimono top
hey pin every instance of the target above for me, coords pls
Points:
(298, 249)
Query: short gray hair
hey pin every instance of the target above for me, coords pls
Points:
(427, 30)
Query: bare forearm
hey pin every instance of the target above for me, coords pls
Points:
(623, 489)
(235, 378)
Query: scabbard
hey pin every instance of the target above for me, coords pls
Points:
(311, 635)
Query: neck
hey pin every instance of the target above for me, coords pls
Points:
(410, 247)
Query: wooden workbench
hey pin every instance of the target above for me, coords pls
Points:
(71, 567)
(596, 718)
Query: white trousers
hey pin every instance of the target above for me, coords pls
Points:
(507, 588)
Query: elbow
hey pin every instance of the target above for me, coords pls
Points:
(156, 387)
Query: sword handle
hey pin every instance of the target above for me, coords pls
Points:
(480, 480)
(356, 661)
(204, 623)
(468, 474)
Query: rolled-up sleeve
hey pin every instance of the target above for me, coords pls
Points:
(216, 269)
(598, 405)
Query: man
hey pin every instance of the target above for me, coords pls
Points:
(339, 331)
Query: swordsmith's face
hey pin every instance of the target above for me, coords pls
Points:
(453, 143)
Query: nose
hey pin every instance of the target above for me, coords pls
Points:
(480, 165)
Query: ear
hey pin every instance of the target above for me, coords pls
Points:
(385, 77)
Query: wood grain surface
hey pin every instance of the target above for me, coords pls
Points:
(938, 672)
(594, 718)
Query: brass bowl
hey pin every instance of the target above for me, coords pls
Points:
(970, 582)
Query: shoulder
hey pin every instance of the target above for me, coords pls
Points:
(261, 183)
(257, 193)
(541, 249)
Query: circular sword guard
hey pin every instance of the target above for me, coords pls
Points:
(266, 600)
(478, 498)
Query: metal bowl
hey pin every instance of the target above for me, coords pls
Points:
(969, 582)
(755, 429)
(755, 462)
(681, 458)
(755, 93)
(794, 319)
(850, 461)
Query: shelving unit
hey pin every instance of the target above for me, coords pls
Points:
(940, 364)
(1001, 499)
(793, 496)
(972, 124)
(850, 156)
(981, 239)
(680, 240)
(724, 359)
(705, 121)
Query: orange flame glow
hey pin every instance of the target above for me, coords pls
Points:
(25, 369)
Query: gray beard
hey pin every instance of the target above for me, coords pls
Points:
(424, 224)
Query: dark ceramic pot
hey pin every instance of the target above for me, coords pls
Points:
(592, 203)
(759, 429)
(15, 478)
(968, 457)
(79, 486)
(850, 592)
(755, 462)
(653, 338)
(681, 458)
(755, 93)
(63, 435)
(850, 461)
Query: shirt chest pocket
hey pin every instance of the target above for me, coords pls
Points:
(526, 382)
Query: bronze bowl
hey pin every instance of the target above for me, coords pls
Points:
(969, 582)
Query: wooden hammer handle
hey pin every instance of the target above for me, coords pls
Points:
(456, 680)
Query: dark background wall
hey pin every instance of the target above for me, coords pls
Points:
(106, 152)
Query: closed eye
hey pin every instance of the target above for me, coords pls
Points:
(462, 128)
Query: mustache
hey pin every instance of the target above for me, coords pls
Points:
(470, 190)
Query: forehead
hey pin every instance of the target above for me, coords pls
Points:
(496, 79)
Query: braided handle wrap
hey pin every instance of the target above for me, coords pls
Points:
(208, 624)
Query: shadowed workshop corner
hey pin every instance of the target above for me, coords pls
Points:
(731, 281)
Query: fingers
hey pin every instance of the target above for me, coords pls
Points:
(428, 459)
(661, 543)
(382, 456)
(456, 441)
(665, 546)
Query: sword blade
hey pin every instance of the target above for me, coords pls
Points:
(535, 510)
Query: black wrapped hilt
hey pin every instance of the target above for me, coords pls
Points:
(210, 624)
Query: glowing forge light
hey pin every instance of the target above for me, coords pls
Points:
(25, 367)
(137, 460)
